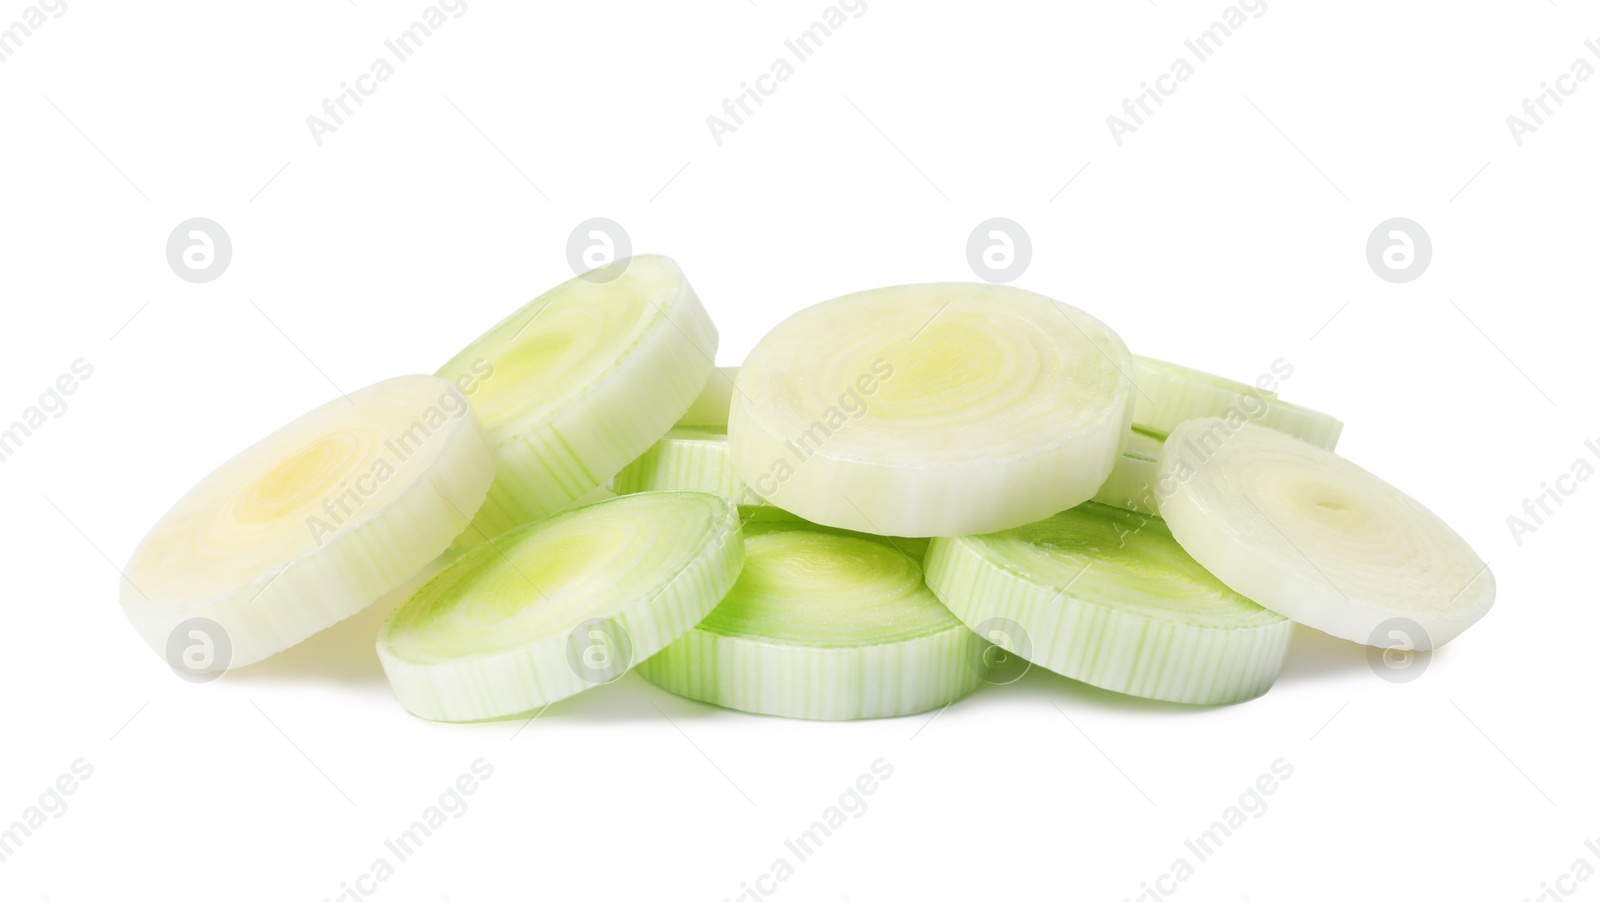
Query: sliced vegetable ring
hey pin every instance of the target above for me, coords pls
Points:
(927, 410)
(825, 625)
(693, 455)
(1318, 539)
(1132, 483)
(1105, 596)
(312, 523)
(1170, 394)
(687, 458)
(560, 605)
(579, 382)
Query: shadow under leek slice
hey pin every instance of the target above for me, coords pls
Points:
(1108, 597)
(561, 605)
(824, 624)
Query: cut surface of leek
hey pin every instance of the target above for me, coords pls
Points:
(1106, 596)
(823, 624)
(579, 382)
(314, 522)
(560, 605)
(925, 410)
(1317, 538)
(1170, 394)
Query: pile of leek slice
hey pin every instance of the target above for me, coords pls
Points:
(893, 485)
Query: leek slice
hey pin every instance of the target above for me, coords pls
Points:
(823, 625)
(710, 407)
(1170, 394)
(314, 522)
(558, 606)
(1316, 538)
(1106, 596)
(579, 382)
(926, 410)
(687, 458)
(1132, 483)
(693, 455)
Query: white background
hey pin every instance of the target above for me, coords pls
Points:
(1210, 237)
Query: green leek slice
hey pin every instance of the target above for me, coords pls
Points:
(1132, 483)
(580, 381)
(693, 455)
(824, 625)
(560, 605)
(1106, 596)
(710, 407)
(687, 458)
(1170, 394)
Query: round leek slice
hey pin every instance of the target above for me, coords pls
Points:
(687, 458)
(561, 605)
(1132, 483)
(312, 523)
(1170, 394)
(1105, 596)
(579, 382)
(710, 407)
(1318, 539)
(823, 625)
(926, 410)
(693, 455)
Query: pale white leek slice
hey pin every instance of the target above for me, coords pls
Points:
(580, 381)
(560, 605)
(926, 410)
(1105, 596)
(1318, 539)
(1170, 394)
(312, 523)
(823, 624)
